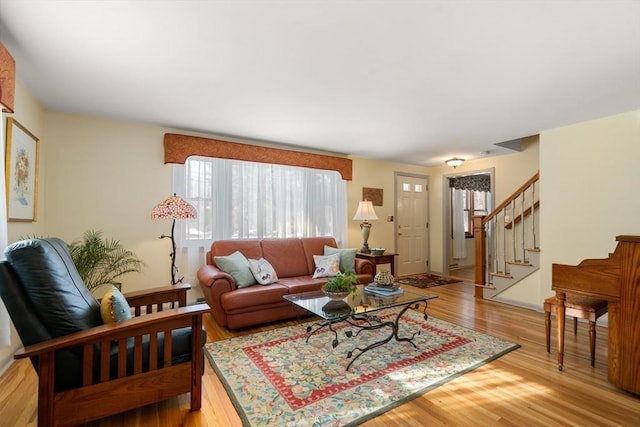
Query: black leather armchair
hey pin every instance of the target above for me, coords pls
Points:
(88, 370)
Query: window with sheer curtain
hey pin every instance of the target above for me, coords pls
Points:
(240, 200)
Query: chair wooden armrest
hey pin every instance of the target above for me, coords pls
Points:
(157, 297)
(105, 395)
(154, 322)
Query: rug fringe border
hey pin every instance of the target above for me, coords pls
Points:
(227, 388)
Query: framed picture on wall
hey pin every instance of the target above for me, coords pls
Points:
(21, 172)
(372, 194)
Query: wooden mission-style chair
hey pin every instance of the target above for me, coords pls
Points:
(578, 307)
(86, 369)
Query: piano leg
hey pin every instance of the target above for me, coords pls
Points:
(560, 318)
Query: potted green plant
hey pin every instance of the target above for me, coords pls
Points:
(341, 285)
(101, 261)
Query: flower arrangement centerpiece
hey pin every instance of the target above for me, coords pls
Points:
(340, 286)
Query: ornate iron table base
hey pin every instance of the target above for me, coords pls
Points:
(364, 322)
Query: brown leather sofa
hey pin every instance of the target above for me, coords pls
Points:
(292, 259)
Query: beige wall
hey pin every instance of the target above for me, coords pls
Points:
(588, 174)
(376, 174)
(510, 172)
(30, 114)
(108, 175)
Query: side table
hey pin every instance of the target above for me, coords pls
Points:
(385, 258)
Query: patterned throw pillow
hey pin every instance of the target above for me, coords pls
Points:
(114, 306)
(326, 266)
(263, 271)
(347, 258)
(237, 266)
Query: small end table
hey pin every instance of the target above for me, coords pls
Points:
(385, 258)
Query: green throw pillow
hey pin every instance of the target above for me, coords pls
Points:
(237, 266)
(114, 307)
(347, 258)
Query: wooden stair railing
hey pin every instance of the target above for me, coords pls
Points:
(487, 253)
(528, 211)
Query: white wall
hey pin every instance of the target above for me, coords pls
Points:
(469, 260)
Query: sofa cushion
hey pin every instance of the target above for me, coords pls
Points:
(263, 271)
(254, 296)
(326, 266)
(347, 258)
(53, 285)
(237, 266)
(250, 248)
(301, 284)
(315, 246)
(286, 256)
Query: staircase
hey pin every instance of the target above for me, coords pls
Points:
(506, 242)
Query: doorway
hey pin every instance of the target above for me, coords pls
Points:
(412, 224)
(477, 186)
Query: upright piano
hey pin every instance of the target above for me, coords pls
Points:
(617, 280)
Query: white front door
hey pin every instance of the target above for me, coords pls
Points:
(412, 225)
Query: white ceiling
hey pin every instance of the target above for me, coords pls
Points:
(410, 81)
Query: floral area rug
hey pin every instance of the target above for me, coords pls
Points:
(277, 378)
(426, 280)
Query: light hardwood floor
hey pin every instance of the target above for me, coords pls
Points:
(522, 388)
(463, 273)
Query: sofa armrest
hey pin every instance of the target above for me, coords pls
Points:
(211, 276)
(364, 266)
(213, 283)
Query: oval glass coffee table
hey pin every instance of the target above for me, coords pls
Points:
(359, 310)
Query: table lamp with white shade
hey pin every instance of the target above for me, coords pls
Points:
(365, 213)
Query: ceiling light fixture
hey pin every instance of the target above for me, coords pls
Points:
(455, 162)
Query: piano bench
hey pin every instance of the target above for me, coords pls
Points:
(578, 307)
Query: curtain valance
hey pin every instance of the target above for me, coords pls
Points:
(471, 182)
(178, 147)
